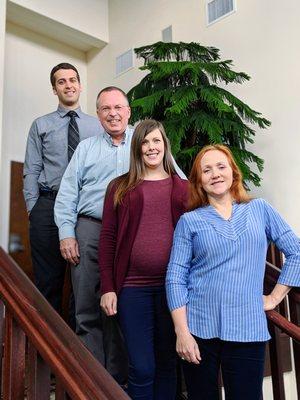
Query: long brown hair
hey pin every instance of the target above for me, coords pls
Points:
(198, 196)
(137, 167)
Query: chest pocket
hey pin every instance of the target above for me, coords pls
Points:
(54, 141)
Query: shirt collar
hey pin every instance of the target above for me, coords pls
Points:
(64, 111)
(109, 140)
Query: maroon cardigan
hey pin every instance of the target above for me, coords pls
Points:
(119, 228)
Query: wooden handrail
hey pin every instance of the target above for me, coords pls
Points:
(292, 330)
(286, 326)
(80, 374)
(278, 324)
(76, 370)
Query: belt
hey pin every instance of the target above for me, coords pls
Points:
(48, 193)
(97, 220)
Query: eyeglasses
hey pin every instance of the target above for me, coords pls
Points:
(107, 110)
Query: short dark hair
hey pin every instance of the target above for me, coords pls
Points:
(111, 89)
(62, 66)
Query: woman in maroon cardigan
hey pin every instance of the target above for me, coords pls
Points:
(140, 212)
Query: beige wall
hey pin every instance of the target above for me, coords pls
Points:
(2, 42)
(29, 58)
(88, 16)
(261, 38)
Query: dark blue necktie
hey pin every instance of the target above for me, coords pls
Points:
(73, 134)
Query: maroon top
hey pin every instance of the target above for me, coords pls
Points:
(120, 226)
(152, 244)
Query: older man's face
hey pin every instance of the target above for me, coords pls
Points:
(113, 112)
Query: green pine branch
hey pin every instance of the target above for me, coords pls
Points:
(161, 51)
(217, 71)
(181, 90)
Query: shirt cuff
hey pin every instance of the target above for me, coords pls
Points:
(290, 276)
(106, 289)
(30, 204)
(66, 232)
(176, 297)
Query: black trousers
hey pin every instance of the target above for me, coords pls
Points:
(242, 366)
(49, 267)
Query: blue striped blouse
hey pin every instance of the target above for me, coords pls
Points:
(217, 269)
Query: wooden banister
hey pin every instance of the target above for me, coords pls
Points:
(50, 340)
(285, 326)
(287, 323)
(51, 345)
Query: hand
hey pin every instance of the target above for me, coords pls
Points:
(108, 303)
(187, 348)
(276, 296)
(70, 250)
(270, 302)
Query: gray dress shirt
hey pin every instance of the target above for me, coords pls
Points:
(95, 163)
(47, 150)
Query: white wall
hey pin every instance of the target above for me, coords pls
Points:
(261, 38)
(29, 59)
(2, 42)
(88, 16)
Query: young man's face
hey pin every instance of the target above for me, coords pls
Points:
(67, 87)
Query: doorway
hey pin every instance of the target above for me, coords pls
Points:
(18, 245)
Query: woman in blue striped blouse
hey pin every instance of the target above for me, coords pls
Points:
(215, 279)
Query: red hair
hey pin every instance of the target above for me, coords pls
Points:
(197, 195)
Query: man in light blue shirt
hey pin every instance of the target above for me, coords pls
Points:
(78, 213)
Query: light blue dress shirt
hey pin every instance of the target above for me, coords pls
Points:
(217, 269)
(95, 163)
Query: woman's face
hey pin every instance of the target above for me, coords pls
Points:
(216, 174)
(153, 150)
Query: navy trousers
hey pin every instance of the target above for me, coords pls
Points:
(242, 366)
(150, 339)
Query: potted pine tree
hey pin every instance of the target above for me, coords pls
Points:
(185, 90)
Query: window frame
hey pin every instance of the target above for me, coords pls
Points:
(223, 16)
(127, 69)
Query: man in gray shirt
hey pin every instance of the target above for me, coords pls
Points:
(47, 155)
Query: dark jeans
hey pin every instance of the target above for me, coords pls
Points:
(48, 265)
(150, 339)
(242, 366)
